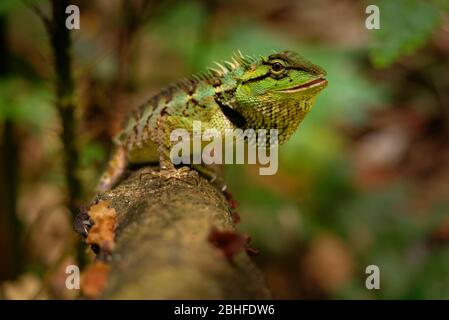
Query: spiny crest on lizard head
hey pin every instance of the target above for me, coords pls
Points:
(242, 63)
(238, 60)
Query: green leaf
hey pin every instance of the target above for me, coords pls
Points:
(25, 103)
(405, 25)
(7, 6)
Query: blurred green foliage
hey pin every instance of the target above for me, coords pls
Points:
(7, 6)
(26, 103)
(405, 26)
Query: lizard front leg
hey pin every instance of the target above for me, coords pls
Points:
(161, 137)
(212, 172)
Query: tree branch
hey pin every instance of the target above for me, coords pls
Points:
(175, 239)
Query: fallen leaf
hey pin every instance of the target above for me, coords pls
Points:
(102, 232)
(94, 279)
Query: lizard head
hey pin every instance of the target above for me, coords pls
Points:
(277, 92)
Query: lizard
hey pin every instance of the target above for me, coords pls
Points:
(274, 91)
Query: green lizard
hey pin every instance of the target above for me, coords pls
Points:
(270, 92)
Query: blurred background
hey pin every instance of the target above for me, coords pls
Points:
(365, 180)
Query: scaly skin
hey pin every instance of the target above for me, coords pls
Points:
(271, 92)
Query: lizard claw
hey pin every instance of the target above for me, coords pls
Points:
(181, 174)
(165, 174)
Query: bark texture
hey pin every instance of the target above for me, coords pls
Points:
(161, 246)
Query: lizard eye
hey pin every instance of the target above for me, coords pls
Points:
(277, 67)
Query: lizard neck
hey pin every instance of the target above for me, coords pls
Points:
(285, 116)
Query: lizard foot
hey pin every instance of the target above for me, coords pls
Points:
(213, 174)
(184, 174)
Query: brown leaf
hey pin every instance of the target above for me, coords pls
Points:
(94, 279)
(102, 232)
(24, 288)
(230, 242)
(327, 265)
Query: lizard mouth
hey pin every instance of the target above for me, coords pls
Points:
(321, 82)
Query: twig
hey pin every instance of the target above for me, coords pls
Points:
(65, 105)
(60, 41)
(10, 148)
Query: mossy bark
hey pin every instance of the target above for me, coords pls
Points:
(162, 250)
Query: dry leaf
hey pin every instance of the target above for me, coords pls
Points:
(24, 288)
(102, 232)
(94, 279)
